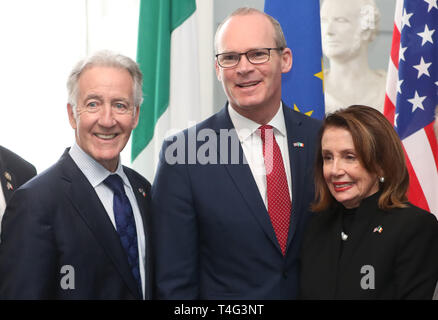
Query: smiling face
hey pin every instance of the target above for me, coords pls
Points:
(254, 91)
(348, 181)
(103, 134)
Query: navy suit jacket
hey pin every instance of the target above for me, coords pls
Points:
(57, 220)
(212, 233)
(14, 171)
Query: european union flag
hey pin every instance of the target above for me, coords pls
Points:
(302, 87)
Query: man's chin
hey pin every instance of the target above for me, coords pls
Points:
(109, 160)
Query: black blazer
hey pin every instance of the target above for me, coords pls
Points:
(57, 220)
(403, 255)
(14, 171)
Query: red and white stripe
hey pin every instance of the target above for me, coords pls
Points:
(421, 148)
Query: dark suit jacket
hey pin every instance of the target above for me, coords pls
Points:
(57, 220)
(16, 169)
(213, 235)
(404, 255)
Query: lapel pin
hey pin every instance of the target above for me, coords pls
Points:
(344, 236)
(142, 192)
(298, 144)
(7, 176)
(9, 186)
(378, 229)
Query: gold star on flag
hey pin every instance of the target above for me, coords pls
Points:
(320, 74)
(308, 113)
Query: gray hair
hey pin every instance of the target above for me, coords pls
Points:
(279, 38)
(105, 58)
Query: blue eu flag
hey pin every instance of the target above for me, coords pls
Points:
(302, 87)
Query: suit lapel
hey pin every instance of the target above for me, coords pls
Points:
(8, 180)
(299, 162)
(142, 195)
(84, 199)
(243, 179)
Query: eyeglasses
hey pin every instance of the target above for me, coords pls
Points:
(255, 56)
(116, 107)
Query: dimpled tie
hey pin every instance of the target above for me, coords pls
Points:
(125, 223)
(279, 203)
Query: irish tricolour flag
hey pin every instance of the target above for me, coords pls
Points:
(168, 56)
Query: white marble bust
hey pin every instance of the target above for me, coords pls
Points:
(347, 27)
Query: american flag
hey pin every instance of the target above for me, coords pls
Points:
(412, 95)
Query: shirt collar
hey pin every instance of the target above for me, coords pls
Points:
(93, 170)
(246, 127)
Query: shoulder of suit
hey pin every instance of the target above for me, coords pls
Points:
(414, 215)
(214, 121)
(14, 161)
(302, 117)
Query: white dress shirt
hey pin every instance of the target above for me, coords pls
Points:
(252, 146)
(96, 174)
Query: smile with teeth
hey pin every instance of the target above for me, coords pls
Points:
(342, 186)
(248, 84)
(105, 136)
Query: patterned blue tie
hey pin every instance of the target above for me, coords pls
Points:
(125, 223)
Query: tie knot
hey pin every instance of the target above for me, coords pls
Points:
(263, 129)
(115, 183)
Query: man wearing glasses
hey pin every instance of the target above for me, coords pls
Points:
(227, 229)
(79, 229)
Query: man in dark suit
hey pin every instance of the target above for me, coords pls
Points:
(14, 171)
(79, 230)
(231, 195)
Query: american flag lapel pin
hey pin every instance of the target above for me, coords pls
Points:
(143, 193)
(298, 145)
(9, 186)
(378, 229)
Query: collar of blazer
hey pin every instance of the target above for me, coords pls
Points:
(86, 202)
(222, 120)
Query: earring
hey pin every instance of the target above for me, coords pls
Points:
(382, 179)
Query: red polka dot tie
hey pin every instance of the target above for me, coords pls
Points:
(279, 203)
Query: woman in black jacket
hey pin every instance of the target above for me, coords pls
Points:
(365, 240)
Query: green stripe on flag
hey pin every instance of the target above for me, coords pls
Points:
(158, 18)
